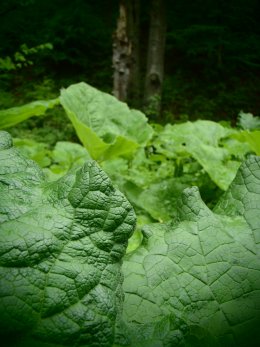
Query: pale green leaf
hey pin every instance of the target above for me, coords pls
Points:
(105, 126)
(251, 138)
(201, 140)
(15, 115)
(248, 122)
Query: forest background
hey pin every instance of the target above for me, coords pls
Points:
(210, 58)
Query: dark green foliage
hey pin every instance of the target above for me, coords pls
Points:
(212, 58)
(80, 32)
(51, 128)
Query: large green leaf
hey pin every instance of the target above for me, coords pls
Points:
(106, 126)
(193, 282)
(61, 245)
(196, 281)
(15, 115)
(201, 140)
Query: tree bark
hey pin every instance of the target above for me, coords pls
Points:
(126, 50)
(134, 96)
(122, 50)
(155, 58)
(135, 80)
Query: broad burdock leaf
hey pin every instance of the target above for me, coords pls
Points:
(105, 126)
(61, 245)
(196, 281)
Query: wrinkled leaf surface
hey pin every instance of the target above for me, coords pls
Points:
(199, 276)
(61, 245)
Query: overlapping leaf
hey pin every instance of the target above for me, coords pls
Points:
(196, 281)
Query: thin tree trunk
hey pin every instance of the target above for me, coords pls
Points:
(134, 96)
(122, 50)
(126, 53)
(155, 58)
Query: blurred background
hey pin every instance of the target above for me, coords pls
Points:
(206, 53)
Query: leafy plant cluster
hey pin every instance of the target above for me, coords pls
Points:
(190, 280)
(150, 163)
(21, 57)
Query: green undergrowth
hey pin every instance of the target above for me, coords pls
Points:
(150, 163)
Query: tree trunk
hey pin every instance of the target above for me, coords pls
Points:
(126, 50)
(134, 96)
(129, 83)
(155, 58)
(122, 50)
